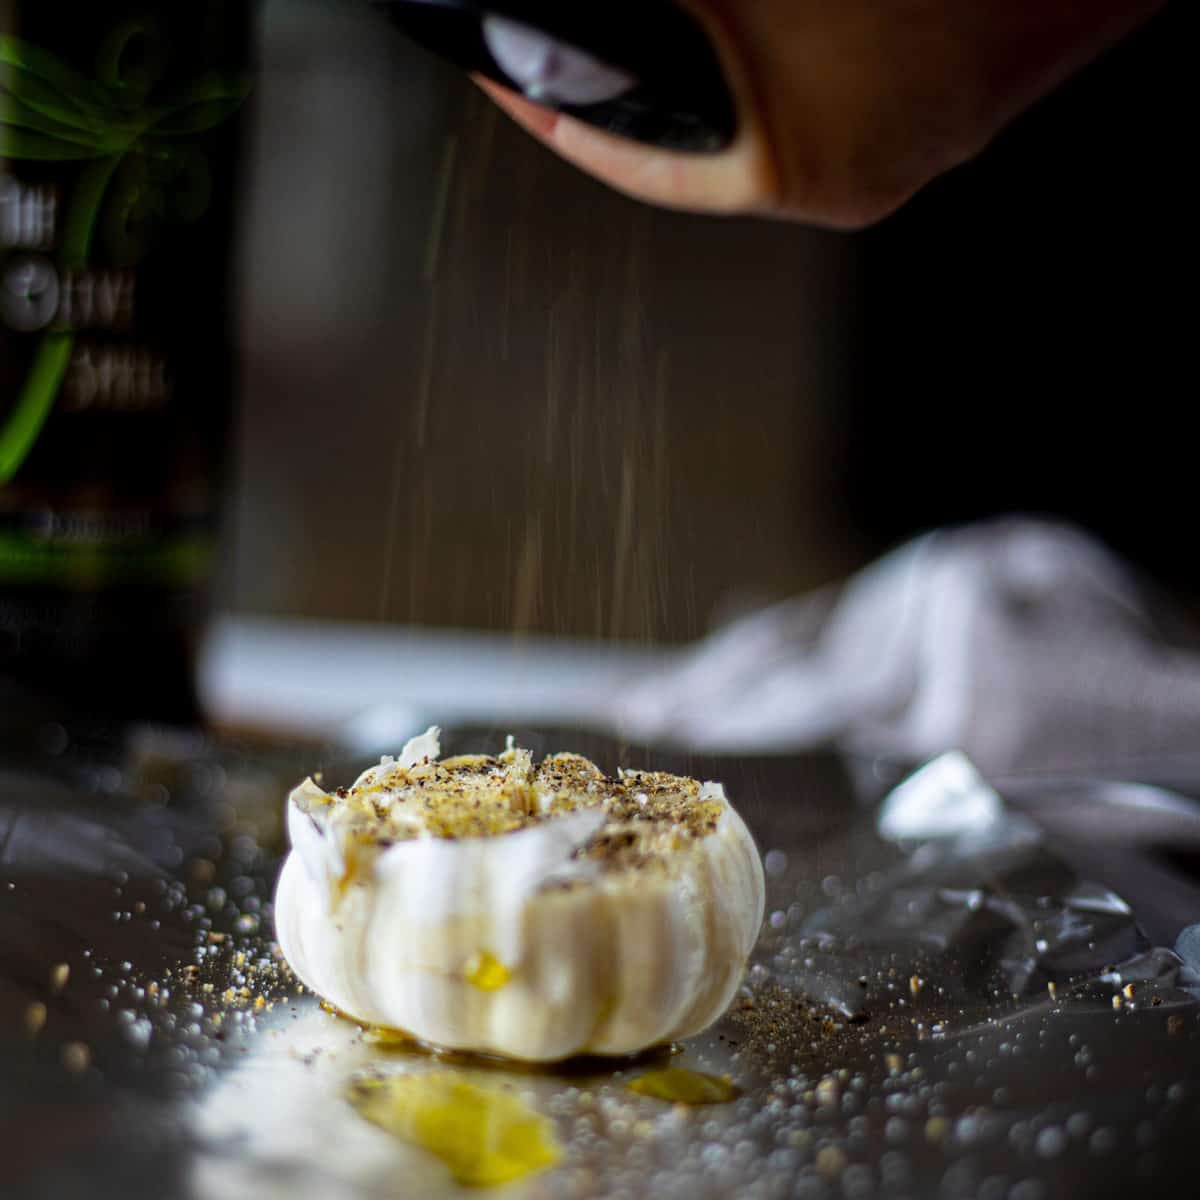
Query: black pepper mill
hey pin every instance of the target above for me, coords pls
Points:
(119, 139)
(642, 69)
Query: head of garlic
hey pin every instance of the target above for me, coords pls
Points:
(537, 912)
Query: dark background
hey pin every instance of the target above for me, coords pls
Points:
(1030, 318)
(481, 390)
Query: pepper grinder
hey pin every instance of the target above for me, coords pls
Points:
(641, 69)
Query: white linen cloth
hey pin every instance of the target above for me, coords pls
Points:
(1025, 644)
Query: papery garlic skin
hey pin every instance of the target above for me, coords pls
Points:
(566, 936)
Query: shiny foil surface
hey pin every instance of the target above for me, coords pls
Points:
(971, 1014)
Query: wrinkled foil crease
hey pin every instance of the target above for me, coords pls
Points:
(987, 910)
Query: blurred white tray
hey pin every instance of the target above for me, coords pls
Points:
(371, 684)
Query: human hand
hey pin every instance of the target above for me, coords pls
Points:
(848, 107)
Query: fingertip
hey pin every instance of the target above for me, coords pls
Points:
(533, 118)
(734, 181)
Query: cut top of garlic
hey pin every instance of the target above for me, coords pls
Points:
(535, 910)
(642, 817)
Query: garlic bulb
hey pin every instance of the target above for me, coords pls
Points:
(486, 904)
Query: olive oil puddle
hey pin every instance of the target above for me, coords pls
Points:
(485, 1135)
(681, 1086)
(481, 1131)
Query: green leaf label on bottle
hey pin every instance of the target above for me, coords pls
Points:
(140, 175)
(116, 163)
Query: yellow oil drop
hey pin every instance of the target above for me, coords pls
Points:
(396, 1040)
(486, 972)
(353, 860)
(486, 1136)
(681, 1086)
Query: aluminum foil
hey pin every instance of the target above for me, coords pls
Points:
(961, 1008)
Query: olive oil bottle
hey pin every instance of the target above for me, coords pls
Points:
(119, 147)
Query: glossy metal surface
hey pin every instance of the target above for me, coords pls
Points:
(899, 1034)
